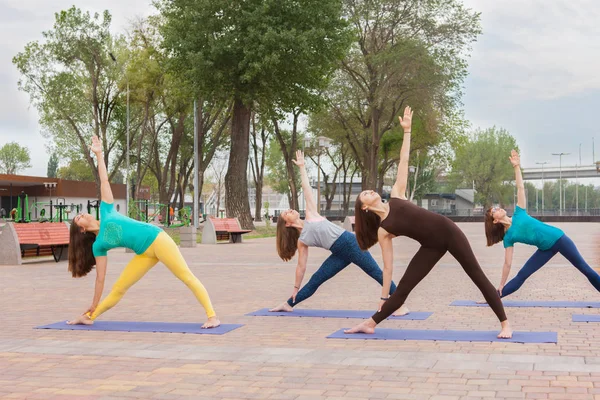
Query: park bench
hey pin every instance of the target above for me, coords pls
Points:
(349, 223)
(220, 229)
(35, 239)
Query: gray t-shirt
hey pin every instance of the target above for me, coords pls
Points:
(322, 233)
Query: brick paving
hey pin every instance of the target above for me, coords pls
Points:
(290, 358)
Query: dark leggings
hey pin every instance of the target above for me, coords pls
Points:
(423, 262)
(344, 252)
(564, 246)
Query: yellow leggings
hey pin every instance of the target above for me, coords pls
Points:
(165, 250)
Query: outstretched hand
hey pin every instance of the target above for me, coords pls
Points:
(406, 121)
(514, 158)
(96, 146)
(299, 161)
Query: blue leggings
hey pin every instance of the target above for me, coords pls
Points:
(344, 252)
(564, 246)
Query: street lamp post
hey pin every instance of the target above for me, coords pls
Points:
(127, 145)
(542, 164)
(322, 143)
(560, 180)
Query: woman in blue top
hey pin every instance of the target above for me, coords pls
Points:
(294, 234)
(92, 239)
(522, 228)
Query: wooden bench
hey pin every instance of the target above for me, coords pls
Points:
(35, 239)
(349, 224)
(220, 229)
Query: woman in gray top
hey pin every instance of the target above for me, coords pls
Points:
(294, 234)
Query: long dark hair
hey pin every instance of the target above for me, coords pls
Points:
(81, 257)
(287, 240)
(366, 225)
(494, 233)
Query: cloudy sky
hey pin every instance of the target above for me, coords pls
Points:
(534, 71)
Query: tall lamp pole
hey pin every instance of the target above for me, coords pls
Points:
(560, 179)
(127, 145)
(542, 164)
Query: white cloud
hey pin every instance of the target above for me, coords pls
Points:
(537, 49)
(22, 22)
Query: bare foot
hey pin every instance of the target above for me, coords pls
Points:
(403, 310)
(367, 326)
(81, 320)
(212, 322)
(282, 307)
(482, 302)
(506, 332)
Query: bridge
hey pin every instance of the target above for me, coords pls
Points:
(566, 172)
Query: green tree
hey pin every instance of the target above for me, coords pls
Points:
(278, 53)
(483, 160)
(52, 165)
(14, 158)
(76, 170)
(278, 177)
(407, 52)
(72, 82)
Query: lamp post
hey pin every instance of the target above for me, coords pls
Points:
(577, 184)
(560, 179)
(127, 140)
(322, 143)
(542, 164)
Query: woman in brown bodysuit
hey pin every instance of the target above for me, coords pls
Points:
(380, 222)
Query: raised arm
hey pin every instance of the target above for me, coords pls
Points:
(399, 189)
(311, 207)
(515, 160)
(105, 191)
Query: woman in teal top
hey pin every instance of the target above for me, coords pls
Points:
(522, 228)
(91, 240)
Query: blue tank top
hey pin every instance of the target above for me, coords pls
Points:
(117, 230)
(528, 230)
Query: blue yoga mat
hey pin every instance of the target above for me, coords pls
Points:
(449, 336)
(586, 318)
(264, 312)
(126, 326)
(526, 303)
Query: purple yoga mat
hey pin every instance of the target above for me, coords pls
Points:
(449, 336)
(527, 303)
(126, 326)
(264, 312)
(586, 318)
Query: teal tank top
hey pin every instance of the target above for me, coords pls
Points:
(528, 230)
(117, 230)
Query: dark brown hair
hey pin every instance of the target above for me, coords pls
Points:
(287, 240)
(493, 232)
(81, 257)
(366, 225)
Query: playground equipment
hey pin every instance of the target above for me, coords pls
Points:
(140, 210)
(143, 210)
(95, 204)
(62, 211)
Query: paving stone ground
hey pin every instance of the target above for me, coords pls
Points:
(290, 358)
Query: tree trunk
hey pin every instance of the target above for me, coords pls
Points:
(288, 155)
(372, 171)
(236, 180)
(258, 208)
